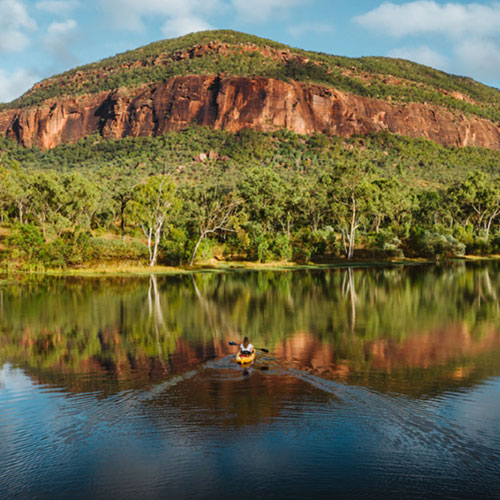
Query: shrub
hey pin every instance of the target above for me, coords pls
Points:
(385, 244)
(431, 244)
(27, 243)
(174, 247)
(105, 249)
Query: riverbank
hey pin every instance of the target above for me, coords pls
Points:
(215, 266)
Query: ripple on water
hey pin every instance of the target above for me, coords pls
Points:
(325, 435)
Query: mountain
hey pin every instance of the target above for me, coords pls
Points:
(232, 81)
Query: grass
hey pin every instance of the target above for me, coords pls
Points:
(129, 270)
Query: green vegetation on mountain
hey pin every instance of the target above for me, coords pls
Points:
(246, 55)
(256, 196)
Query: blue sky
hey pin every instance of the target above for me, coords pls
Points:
(39, 38)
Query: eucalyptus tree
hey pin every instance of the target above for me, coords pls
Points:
(120, 182)
(154, 202)
(351, 193)
(264, 194)
(6, 182)
(20, 191)
(48, 201)
(389, 200)
(215, 211)
(313, 203)
(479, 200)
(83, 200)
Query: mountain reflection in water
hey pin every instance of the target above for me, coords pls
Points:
(408, 329)
(379, 383)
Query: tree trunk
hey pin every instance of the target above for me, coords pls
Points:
(202, 235)
(488, 226)
(352, 232)
(344, 244)
(156, 244)
(44, 232)
(148, 233)
(122, 217)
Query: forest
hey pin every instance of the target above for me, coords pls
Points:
(200, 195)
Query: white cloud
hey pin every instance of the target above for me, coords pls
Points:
(481, 58)
(179, 15)
(422, 54)
(299, 30)
(60, 7)
(470, 33)
(14, 84)
(59, 38)
(183, 25)
(62, 28)
(185, 16)
(430, 17)
(14, 23)
(263, 10)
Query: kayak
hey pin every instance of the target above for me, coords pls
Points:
(244, 359)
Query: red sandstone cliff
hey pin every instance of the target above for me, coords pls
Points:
(234, 103)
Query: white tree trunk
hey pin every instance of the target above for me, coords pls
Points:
(202, 235)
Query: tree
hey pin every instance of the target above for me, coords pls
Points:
(388, 199)
(120, 183)
(153, 203)
(479, 200)
(83, 200)
(47, 201)
(264, 193)
(216, 207)
(351, 192)
(20, 192)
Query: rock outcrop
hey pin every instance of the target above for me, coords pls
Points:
(235, 103)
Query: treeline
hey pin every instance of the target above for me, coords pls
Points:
(259, 197)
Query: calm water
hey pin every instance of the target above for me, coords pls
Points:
(381, 383)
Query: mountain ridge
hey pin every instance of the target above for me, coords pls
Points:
(458, 111)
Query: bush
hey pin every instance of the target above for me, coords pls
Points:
(174, 247)
(495, 244)
(266, 247)
(431, 244)
(27, 243)
(308, 244)
(70, 249)
(385, 244)
(104, 249)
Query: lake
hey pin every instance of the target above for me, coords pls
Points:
(380, 383)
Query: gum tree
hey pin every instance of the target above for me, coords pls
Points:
(154, 202)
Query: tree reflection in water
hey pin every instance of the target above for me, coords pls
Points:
(415, 330)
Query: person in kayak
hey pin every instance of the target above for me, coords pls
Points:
(246, 348)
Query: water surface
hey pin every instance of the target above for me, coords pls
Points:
(380, 383)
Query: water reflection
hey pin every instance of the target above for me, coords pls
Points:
(379, 384)
(413, 330)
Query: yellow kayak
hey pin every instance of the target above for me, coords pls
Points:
(245, 359)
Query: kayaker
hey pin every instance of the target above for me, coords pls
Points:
(246, 347)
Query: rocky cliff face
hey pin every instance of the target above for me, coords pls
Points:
(234, 103)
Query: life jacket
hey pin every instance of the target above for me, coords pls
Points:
(246, 350)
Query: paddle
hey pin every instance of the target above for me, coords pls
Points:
(258, 348)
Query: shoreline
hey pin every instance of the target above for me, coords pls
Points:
(230, 266)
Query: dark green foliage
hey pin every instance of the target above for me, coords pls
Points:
(385, 244)
(293, 198)
(27, 243)
(433, 244)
